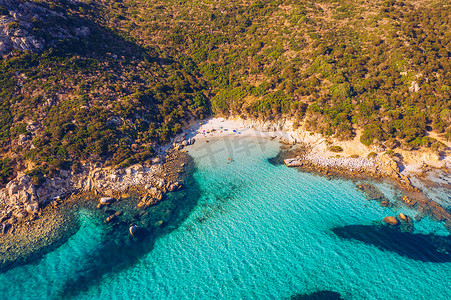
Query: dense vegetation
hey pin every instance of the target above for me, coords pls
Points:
(333, 66)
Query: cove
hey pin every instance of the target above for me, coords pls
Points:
(255, 230)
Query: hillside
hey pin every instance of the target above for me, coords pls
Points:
(107, 81)
(96, 97)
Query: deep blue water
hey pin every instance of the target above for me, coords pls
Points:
(255, 231)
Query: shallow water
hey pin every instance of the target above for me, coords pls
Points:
(258, 231)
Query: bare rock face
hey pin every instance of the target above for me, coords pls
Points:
(15, 29)
(12, 187)
(21, 190)
(18, 25)
(414, 87)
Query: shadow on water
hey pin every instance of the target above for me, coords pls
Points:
(121, 251)
(320, 295)
(422, 247)
(283, 154)
(60, 236)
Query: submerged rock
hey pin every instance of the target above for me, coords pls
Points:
(147, 201)
(110, 218)
(372, 193)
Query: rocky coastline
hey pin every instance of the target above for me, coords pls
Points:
(33, 219)
(36, 219)
(381, 168)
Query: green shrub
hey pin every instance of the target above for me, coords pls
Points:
(3, 11)
(336, 149)
(15, 25)
(390, 153)
(37, 176)
(371, 155)
(5, 170)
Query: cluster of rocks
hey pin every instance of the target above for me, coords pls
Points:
(21, 199)
(402, 218)
(154, 195)
(18, 201)
(108, 181)
(349, 163)
(402, 221)
(180, 142)
(382, 166)
(17, 26)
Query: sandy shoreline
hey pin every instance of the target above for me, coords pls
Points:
(353, 151)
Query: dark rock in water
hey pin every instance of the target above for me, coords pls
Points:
(110, 218)
(422, 247)
(391, 220)
(320, 295)
(279, 158)
(287, 154)
(110, 211)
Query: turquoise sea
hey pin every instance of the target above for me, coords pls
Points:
(248, 229)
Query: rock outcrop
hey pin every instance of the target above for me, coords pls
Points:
(21, 199)
(24, 18)
(180, 142)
